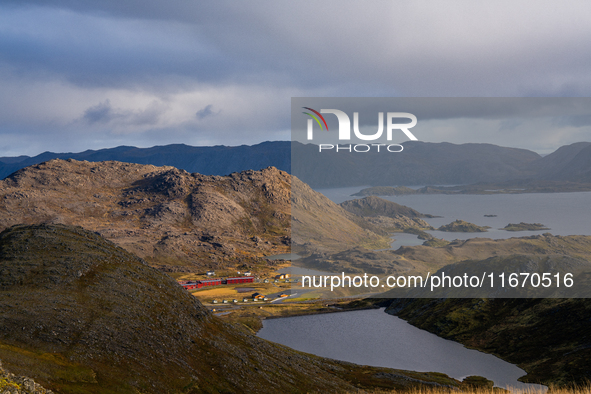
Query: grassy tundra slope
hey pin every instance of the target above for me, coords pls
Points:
(81, 315)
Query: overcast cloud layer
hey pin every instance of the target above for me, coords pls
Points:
(78, 75)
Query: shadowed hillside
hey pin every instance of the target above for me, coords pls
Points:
(81, 315)
(549, 338)
(569, 162)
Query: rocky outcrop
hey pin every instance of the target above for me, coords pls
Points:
(12, 384)
(374, 206)
(399, 222)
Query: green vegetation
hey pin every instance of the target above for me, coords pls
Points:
(5, 384)
(461, 226)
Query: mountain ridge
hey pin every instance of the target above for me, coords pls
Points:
(163, 214)
(177, 220)
(421, 163)
(210, 160)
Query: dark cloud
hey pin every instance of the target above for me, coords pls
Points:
(206, 111)
(104, 113)
(348, 48)
(101, 113)
(247, 59)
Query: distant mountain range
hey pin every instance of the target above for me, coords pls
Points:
(207, 160)
(569, 163)
(421, 163)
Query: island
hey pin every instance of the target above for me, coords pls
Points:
(525, 227)
(461, 226)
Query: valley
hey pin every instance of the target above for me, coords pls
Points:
(143, 228)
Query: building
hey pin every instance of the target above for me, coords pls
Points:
(190, 285)
(240, 279)
(198, 284)
(210, 273)
(208, 282)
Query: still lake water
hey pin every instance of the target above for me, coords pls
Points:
(564, 213)
(372, 337)
(375, 338)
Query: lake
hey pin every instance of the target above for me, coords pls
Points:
(375, 338)
(372, 337)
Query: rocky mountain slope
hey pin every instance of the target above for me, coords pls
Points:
(321, 225)
(174, 219)
(165, 215)
(81, 315)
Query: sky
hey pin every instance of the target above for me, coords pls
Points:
(80, 74)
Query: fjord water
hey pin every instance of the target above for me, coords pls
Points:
(563, 213)
(372, 337)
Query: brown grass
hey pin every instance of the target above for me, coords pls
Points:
(586, 389)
